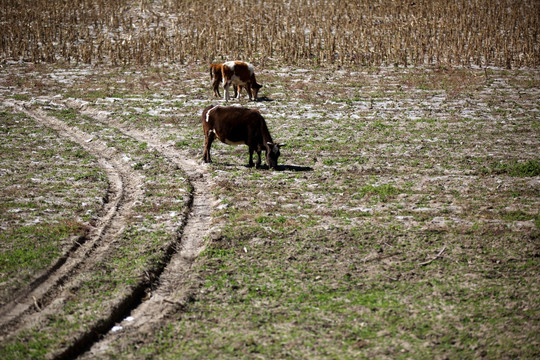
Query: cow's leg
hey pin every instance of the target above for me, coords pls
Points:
(207, 145)
(250, 163)
(258, 164)
(248, 89)
(215, 85)
(226, 90)
(237, 91)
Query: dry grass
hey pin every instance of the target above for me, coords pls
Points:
(310, 32)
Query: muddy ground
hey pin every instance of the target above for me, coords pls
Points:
(403, 220)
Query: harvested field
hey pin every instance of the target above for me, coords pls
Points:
(303, 32)
(403, 222)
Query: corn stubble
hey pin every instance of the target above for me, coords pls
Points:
(307, 32)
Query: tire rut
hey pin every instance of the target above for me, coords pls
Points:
(171, 291)
(36, 301)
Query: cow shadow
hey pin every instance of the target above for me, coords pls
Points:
(264, 99)
(292, 168)
(283, 168)
(266, 167)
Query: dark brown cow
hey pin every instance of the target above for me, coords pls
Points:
(235, 125)
(239, 73)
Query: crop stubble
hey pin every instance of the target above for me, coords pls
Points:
(307, 32)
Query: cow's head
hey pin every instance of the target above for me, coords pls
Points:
(255, 90)
(272, 154)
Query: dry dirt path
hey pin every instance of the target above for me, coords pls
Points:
(44, 297)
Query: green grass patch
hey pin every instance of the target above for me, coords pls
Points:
(52, 192)
(382, 192)
(344, 260)
(34, 247)
(527, 168)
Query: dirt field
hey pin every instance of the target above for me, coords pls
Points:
(403, 221)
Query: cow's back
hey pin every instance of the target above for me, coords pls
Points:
(235, 117)
(234, 124)
(238, 72)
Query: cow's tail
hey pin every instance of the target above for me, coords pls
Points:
(211, 71)
(267, 138)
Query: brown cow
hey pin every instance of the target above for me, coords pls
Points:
(239, 73)
(216, 76)
(235, 125)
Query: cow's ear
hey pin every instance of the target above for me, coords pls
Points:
(282, 145)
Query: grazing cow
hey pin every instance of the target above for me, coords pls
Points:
(235, 125)
(239, 73)
(216, 76)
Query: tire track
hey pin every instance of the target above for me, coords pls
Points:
(31, 304)
(171, 292)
